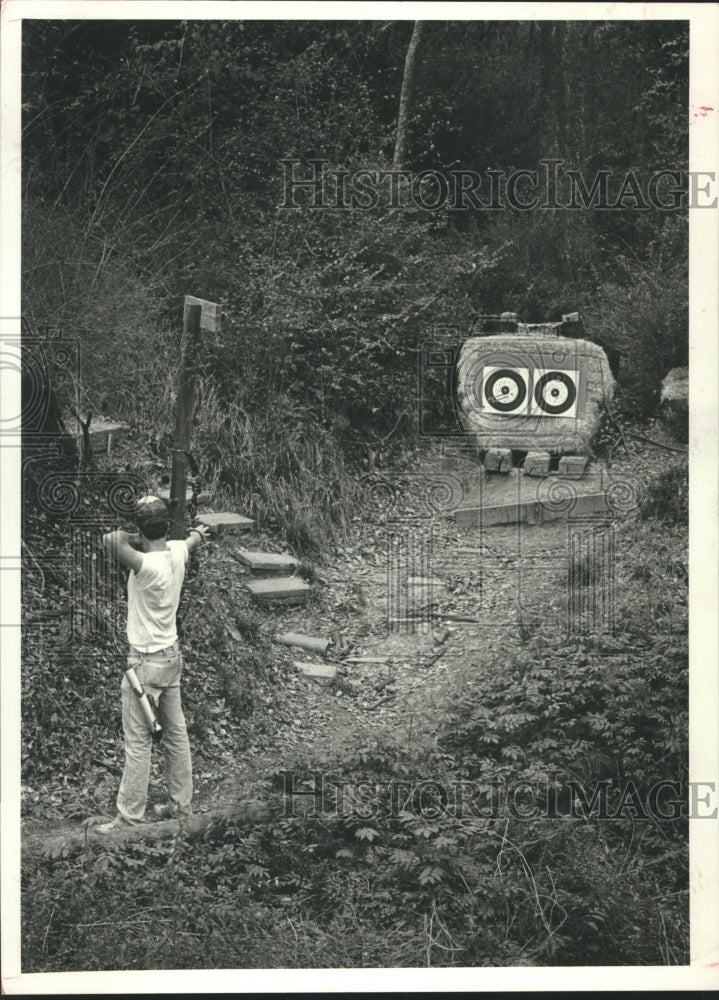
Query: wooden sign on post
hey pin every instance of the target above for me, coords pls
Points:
(211, 313)
(198, 315)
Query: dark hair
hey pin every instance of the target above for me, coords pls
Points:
(152, 517)
(154, 528)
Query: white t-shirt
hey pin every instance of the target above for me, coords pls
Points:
(153, 594)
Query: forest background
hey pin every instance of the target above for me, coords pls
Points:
(152, 169)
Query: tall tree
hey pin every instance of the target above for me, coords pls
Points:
(400, 146)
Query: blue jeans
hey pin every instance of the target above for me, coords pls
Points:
(159, 673)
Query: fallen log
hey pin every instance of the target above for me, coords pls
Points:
(306, 642)
(251, 811)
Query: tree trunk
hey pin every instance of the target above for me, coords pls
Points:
(400, 146)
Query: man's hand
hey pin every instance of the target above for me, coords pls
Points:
(197, 536)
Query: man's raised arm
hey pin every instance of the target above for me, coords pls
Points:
(120, 545)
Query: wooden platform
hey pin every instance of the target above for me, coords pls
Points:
(103, 433)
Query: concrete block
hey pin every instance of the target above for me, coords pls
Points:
(225, 524)
(498, 460)
(536, 463)
(285, 590)
(573, 466)
(271, 562)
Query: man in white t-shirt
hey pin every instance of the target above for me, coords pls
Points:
(157, 571)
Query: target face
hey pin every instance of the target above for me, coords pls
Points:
(554, 393)
(504, 390)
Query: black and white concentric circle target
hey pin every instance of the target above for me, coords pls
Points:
(555, 392)
(505, 390)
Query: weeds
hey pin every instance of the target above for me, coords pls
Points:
(668, 495)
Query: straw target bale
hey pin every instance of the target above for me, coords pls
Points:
(532, 392)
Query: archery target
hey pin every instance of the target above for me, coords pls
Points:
(554, 392)
(504, 390)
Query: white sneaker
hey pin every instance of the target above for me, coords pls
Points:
(118, 823)
(168, 810)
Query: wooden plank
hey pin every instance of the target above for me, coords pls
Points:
(529, 512)
(221, 524)
(269, 561)
(285, 590)
(308, 642)
(211, 313)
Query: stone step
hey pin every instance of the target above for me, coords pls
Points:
(225, 524)
(316, 671)
(282, 590)
(202, 496)
(269, 562)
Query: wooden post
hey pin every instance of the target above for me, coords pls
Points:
(184, 414)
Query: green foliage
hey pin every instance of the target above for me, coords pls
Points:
(643, 311)
(155, 171)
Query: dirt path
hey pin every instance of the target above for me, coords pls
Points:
(500, 580)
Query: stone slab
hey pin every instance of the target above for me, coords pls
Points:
(498, 460)
(224, 524)
(529, 425)
(275, 562)
(536, 463)
(316, 671)
(283, 590)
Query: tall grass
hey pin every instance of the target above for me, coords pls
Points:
(279, 465)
